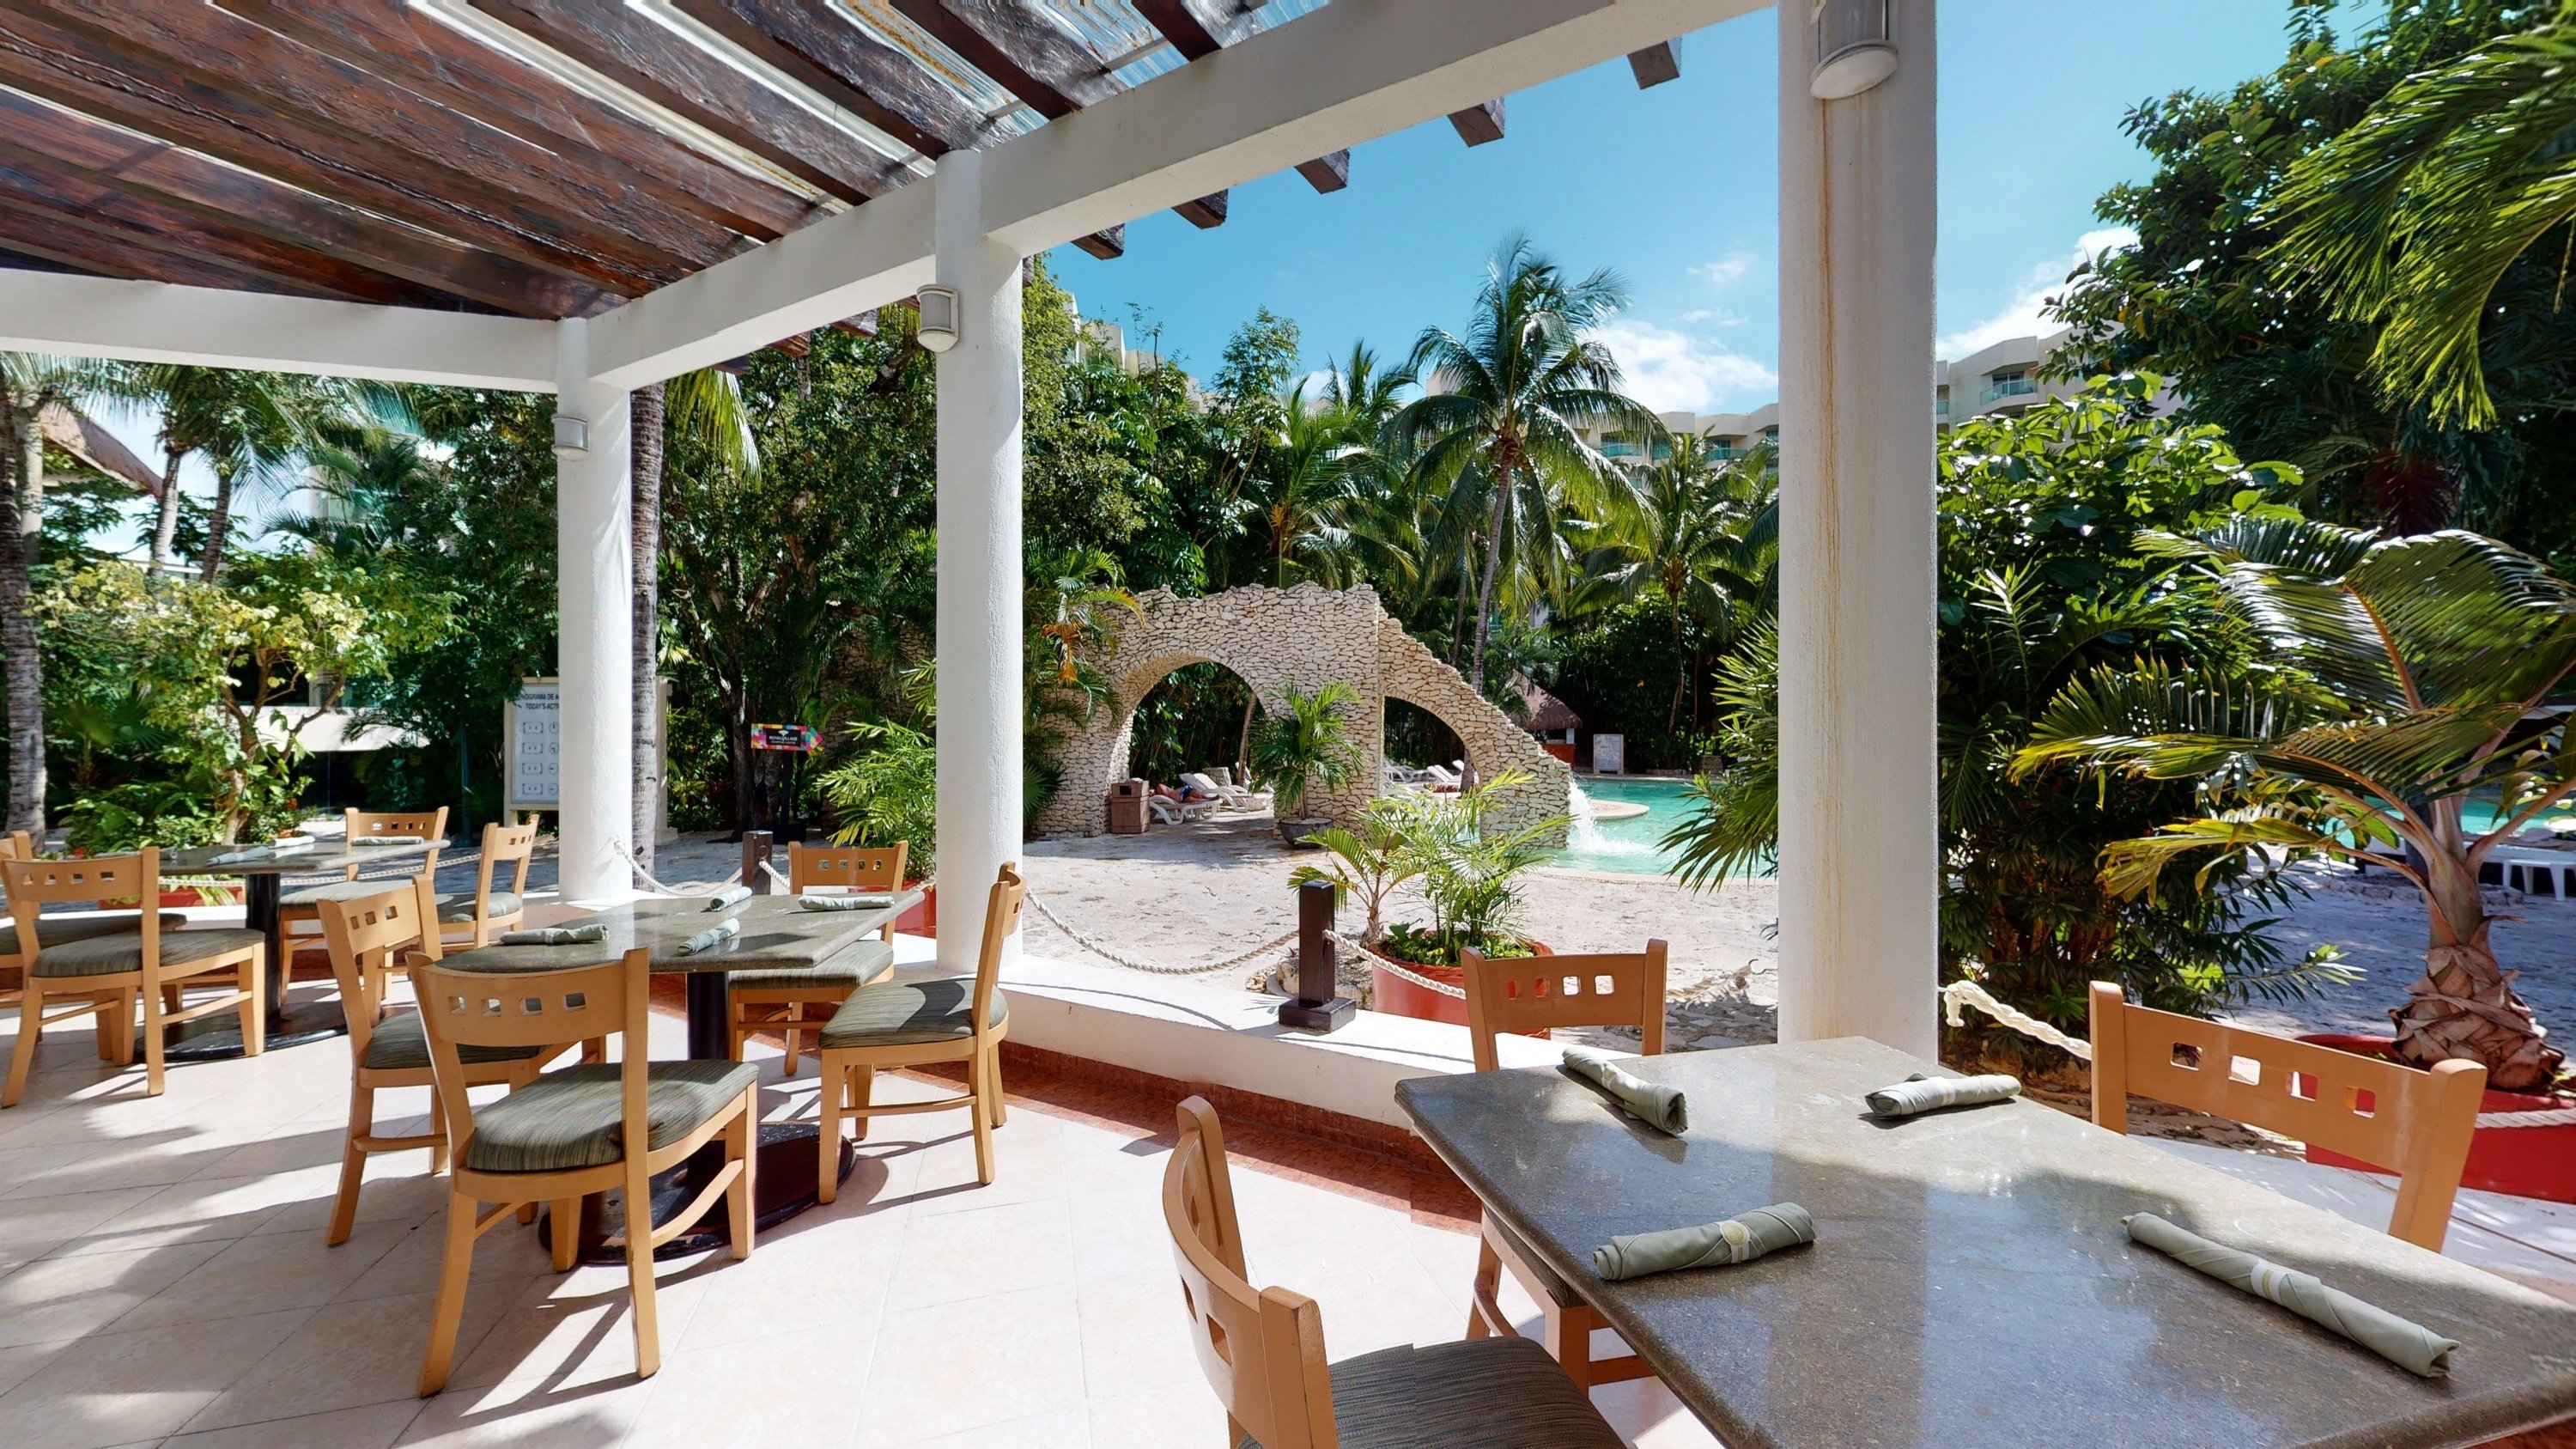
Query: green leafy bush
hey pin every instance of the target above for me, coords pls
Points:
(889, 791)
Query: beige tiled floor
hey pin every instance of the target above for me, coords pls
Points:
(163, 1281)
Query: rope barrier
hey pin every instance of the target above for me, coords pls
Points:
(646, 876)
(1112, 954)
(1397, 968)
(1960, 994)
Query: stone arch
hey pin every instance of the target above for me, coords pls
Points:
(1301, 638)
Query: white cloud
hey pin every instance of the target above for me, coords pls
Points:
(2021, 317)
(1672, 371)
(1727, 270)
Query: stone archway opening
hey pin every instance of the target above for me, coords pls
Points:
(1416, 737)
(1192, 718)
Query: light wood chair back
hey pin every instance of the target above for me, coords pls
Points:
(533, 1009)
(1001, 921)
(513, 845)
(1528, 994)
(367, 938)
(1261, 1349)
(2414, 1123)
(100, 879)
(18, 845)
(859, 867)
(429, 825)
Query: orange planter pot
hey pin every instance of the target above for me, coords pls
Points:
(1393, 994)
(2522, 1161)
(923, 919)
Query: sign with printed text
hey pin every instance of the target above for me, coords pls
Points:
(532, 733)
(797, 739)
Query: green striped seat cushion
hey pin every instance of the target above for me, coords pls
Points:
(848, 971)
(107, 955)
(572, 1118)
(82, 925)
(342, 890)
(504, 903)
(1480, 1393)
(907, 1013)
(399, 1045)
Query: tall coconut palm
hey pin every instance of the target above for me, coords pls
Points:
(1702, 530)
(2412, 217)
(2418, 666)
(1513, 397)
(31, 387)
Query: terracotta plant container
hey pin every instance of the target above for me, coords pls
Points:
(1393, 994)
(923, 919)
(2535, 1162)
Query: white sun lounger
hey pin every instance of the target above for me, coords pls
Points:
(1234, 797)
(1172, 812)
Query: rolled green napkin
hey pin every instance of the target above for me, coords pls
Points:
(1739, 1239)
(712, 937)
(845, 903)
(557, 935)
(728, 898)
(1660, 1107)
(1919, 1093)
(2410, 1346)
(389, 840)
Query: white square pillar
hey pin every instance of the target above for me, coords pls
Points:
(980, 628)
(1859, 839)
(594, 624)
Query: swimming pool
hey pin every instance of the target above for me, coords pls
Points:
(1627, 847)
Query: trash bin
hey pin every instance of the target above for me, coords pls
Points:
(1127, 807)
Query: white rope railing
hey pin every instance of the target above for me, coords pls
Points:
(646, 876)
(1960, 994)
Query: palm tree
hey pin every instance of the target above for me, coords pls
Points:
(30, 386)
(2419, 663)
(1513, 397)
(2412, 217)
(1703, 530)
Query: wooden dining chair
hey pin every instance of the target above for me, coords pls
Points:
(108, 972)
(2413, 1123)
(299, 911)
(66, 926)
(917, 1023)
(465, 925)
(776, 1000)
(577, 1131)
(369, 938)
(1263, 1349)
(1534, 994)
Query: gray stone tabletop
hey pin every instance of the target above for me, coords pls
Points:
(1970, 1284)
(776, 933)
(327, 855)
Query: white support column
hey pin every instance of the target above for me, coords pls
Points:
(594, 501)
(980, 642)
(1859, 852)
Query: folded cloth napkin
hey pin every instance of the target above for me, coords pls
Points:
(389, 840)
(1660, 1107)
(728, 898)
(236, 857)
(557, 935)
(2410, 1346)
(1919, 1093)
(1739, 1239)
(713, 936)
(845, 903)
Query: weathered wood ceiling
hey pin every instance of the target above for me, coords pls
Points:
(543, 158)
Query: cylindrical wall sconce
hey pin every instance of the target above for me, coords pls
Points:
(572, 437)
(938, 318)
(1855, 47)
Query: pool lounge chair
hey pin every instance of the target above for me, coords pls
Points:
(1233, 797)
(1173, 812)
(1440, 778)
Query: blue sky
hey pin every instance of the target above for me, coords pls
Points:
(1677, 189)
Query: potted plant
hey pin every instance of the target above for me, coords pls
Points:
(889, 791)
(2414, 673)
(1372, 861)
(1309, 745)
(1470, 880)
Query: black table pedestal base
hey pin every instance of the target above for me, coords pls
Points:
(783, 1185)
(216, 1037)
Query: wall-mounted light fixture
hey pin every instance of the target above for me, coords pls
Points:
(938, 318)
(1855, 47)
(572, 437)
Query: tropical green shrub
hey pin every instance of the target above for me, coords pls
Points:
(1470, 874)
(1309, 745)
(1373, 861)
(887, 791)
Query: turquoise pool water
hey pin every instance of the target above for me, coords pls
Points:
(1628, 847)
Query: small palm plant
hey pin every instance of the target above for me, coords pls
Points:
(2415, 668)
(1471, 874)
(1308, 745)
(1373, 861)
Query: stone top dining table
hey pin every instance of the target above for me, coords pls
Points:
(1970, 1282)
(776, 934)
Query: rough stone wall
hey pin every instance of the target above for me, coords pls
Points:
(1275, 639)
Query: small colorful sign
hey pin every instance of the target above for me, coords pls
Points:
(796, 739)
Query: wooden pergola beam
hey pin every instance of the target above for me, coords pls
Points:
(1180, 25)
(1479, 124)
(1656, 64)
(78, 144)
(108, 252)
(809, 42)
(73, 68)
(82, 203)
(437, 62)
(1109, 244)
(649, 60)
(1329, 173)
(1018, 49)
(1206, 213)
